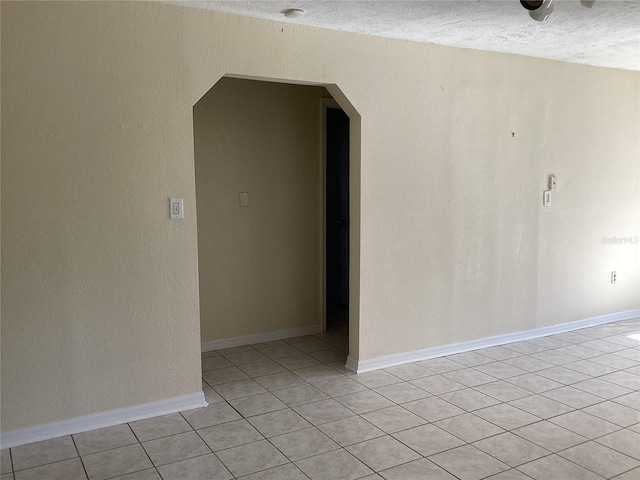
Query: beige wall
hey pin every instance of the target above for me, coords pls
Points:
(100, 288)
(260, 266)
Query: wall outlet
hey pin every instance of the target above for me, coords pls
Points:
(614, 278)
(244, 199)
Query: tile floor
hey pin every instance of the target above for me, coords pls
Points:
(562, 407)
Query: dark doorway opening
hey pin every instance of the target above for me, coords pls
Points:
(337, 219)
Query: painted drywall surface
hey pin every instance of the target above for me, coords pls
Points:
(100, 288)
(260, 266)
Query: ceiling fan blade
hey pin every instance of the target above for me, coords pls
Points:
(587, 3)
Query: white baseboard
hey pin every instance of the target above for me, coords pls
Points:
(86, 423)
(362, 366)
(259, 338)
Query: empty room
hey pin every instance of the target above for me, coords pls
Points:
(326, 240)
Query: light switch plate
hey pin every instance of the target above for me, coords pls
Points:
(176, 207)
(546, 198)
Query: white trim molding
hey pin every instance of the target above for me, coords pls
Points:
(362, 366)
(86, 423)
(260, 337)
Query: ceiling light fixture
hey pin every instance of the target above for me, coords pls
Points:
(293, 12)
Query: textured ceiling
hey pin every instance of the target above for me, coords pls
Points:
(607, 35)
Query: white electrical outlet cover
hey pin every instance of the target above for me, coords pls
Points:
(176, 208)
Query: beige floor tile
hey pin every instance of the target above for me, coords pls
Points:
(631, 400)
(378, 378)
(525, 348)
(440, 365)
(283, 472)
(600, 459)
(212, 415)
(329, 356)
(601, 388)
(304, 443)
(211, 396)
(312, 346)
(241, 348)
(418, 469)
(499, 370)
(468, 463)
(590, 368)
(382, 453)
(470, 377)
(228, 435)
(261, 368)
(393, 419)
(339, 386)
(251, 458)
(280, 351)
(428, 440)
(323, 411)
(175, 447)
(104, 439)
(298, 361)
(499, 353)
(623, 441)
(364, 402)
(205, 467)
(470, 359)
(437, 384)
(316, 374)
(402, 392)
(351, 430)
(299, 395)
(550, 436)
(614, 413)
(540, 406)
(630, 475)
(528, 364)
(469, 399)
(257, 404)
(562, 375)
(614, 361)
(333, 465)
(213, 363)
(248, 356)
(503, 391)
(40, 453)
(624, 379)
(468, 427)
(554, 467)
(409, 371)
(157, 427)
(239, 389)
(433, 409)
(224, 375)
(279, 422)
(506, 416)
(534, 383)
(5, 462)
(65, 470)
(555, 357)
(585, 424)
(511, 449)
(279, 381)
(119, 461)
(148, 474)
(512, 474)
